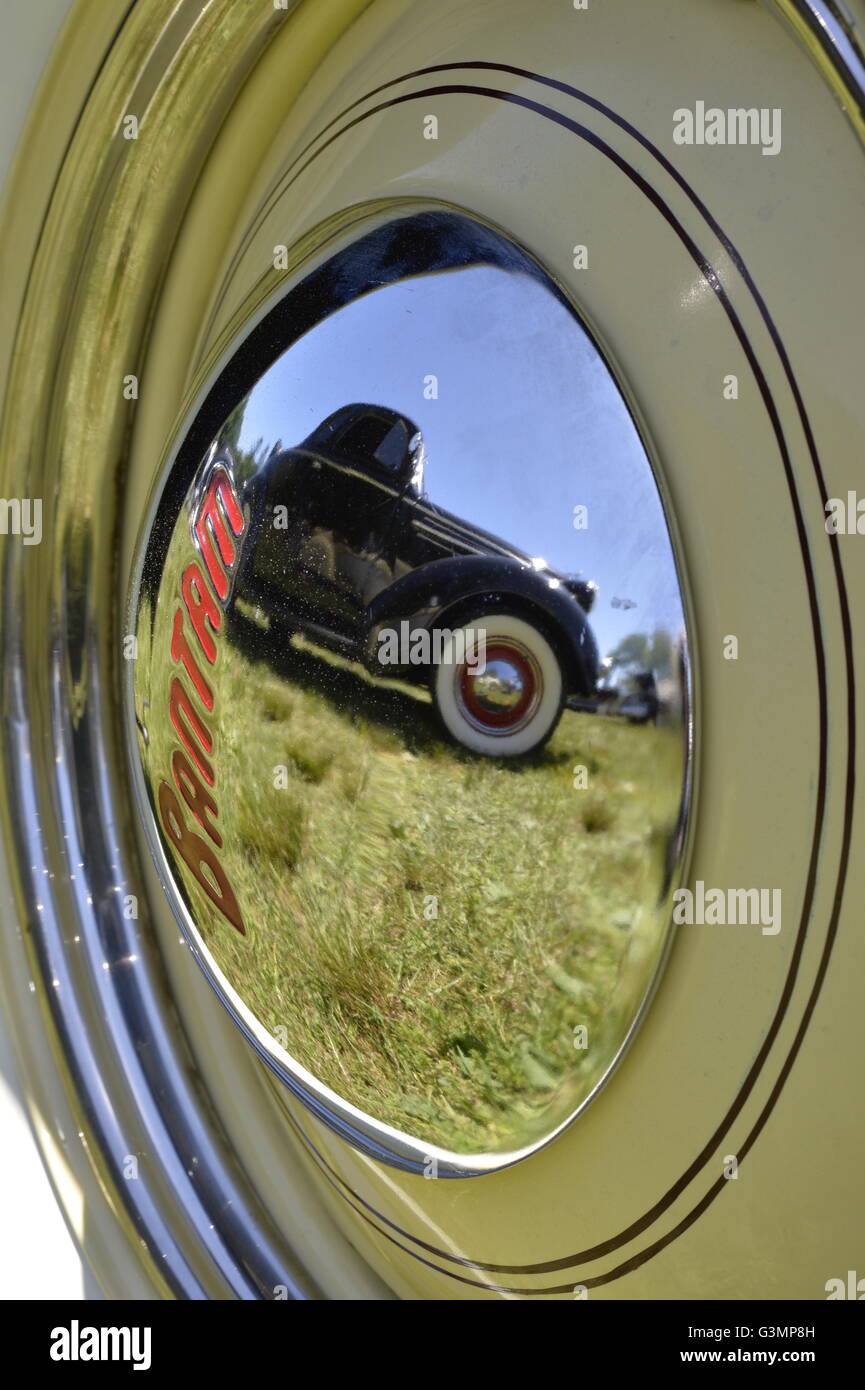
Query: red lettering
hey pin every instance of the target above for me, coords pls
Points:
(180, 703)
(199, 858)
(181, 652)
(219, 510)
(202, 609)
(220, 488)
(197, 797)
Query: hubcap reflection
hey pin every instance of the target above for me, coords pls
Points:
(504, 696)
(432, 891)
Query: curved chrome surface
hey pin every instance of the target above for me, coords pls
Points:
(97, 985)
(833, 34)
(421, 838)
(92, 981)
(501, 687)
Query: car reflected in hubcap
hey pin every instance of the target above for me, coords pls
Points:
(345, 633)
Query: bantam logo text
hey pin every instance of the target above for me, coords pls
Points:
(216, 521)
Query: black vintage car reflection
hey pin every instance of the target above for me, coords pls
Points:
(345, 546)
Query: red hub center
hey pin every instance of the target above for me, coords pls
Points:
(501, 696)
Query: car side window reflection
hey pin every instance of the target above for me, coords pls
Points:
(372, 437)
(391, 452)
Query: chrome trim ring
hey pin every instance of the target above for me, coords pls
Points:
(834, 36)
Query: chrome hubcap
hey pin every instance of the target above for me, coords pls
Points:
(505, 695)
(501, 688)
(280, 777)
